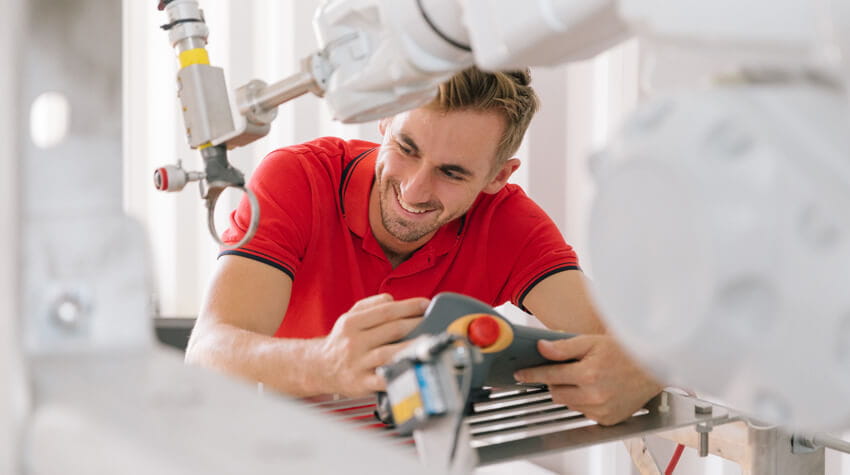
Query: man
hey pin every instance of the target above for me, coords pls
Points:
(356, 237)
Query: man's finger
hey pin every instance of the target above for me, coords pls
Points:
(368, 384)
(384, 354)
(387, 312)
(578, 399)
(375, 383)
(371, 301)
(568, 349)
(567, 373)
(389, 332)
(573, 397)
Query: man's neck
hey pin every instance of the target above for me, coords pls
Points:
(395, 258)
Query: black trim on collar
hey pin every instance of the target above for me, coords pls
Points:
(346, 177)
(462, 225)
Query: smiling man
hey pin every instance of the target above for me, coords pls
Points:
(355, 238)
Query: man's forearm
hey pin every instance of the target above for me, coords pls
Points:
(287, 365)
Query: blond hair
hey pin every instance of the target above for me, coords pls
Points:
(508, 93)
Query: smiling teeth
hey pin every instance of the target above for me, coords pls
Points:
(409, 210)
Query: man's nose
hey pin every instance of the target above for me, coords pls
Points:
(417, 188)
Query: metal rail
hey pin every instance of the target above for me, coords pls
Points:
(518, 423)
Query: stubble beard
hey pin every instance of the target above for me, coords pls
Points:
(398, 227)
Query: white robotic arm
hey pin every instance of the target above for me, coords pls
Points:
(379, 57)
(390, 56)
(386, 57)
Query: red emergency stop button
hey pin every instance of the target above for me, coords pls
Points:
(483, 331)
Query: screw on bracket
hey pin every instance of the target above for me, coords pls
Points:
(703, 428)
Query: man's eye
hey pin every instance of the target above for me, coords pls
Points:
(452, 175)
(404, 149)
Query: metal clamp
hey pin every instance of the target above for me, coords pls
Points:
(212, 194)
(218, 176)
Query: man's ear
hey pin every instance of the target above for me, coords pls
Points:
(501, 178)
(383, 124)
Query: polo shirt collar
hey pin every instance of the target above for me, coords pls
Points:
(357, 179)
(356, 186)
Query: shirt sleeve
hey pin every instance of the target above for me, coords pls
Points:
(284, 190)
(536, 246)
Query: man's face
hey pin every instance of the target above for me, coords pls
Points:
(430, 168)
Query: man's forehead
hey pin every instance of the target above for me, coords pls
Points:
(453, 137)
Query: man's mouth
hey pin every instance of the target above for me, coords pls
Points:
(410, 209)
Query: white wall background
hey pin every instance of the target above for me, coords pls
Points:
(582, 105)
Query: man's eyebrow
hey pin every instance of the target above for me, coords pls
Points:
(401, 136)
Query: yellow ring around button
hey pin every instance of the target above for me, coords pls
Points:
(506, 333)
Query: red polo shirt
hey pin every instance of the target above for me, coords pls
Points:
(314, 226)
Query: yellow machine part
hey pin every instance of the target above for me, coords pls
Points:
(405, 409)
(194, 56)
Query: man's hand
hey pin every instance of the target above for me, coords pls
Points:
(603, 383)
(362, 340)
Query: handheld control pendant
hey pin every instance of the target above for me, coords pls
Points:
(494, 349)
(505, 347)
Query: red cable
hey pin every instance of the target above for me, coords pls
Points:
(674, 460)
